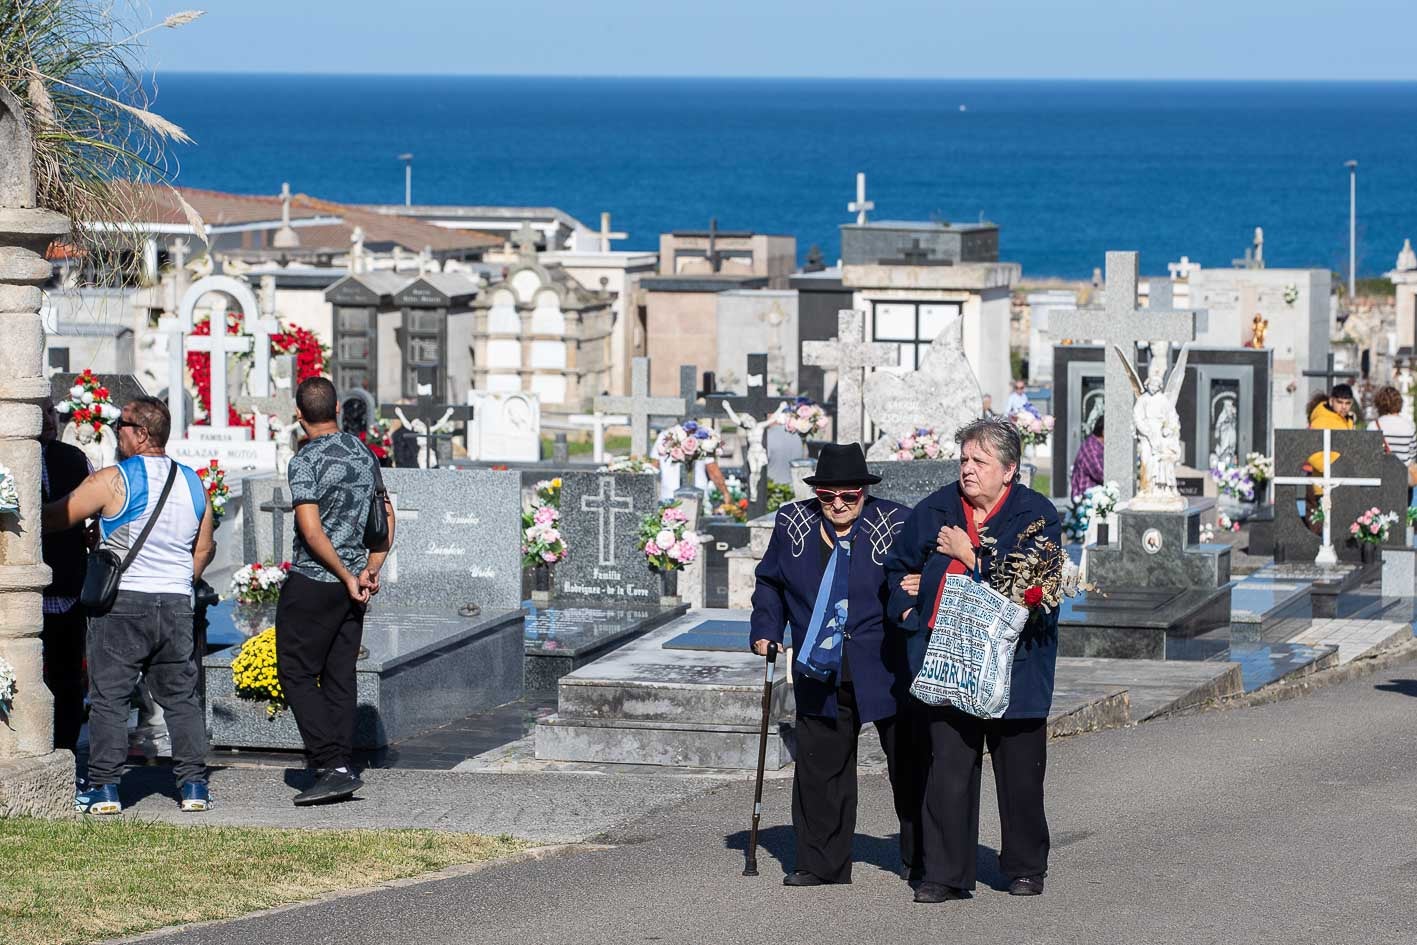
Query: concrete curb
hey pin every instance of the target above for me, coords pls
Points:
(450, 872)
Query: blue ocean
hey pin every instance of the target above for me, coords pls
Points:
(1067, 169)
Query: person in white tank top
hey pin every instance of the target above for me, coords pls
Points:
(148, 632)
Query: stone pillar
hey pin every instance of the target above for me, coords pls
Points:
(34, 779)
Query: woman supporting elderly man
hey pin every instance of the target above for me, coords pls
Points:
(859, 640)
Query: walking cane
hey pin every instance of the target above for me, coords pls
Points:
(751, 869)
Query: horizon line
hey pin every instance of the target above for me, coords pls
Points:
(792, 78)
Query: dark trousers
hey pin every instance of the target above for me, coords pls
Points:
(151, 635)
(63, 641)
(1018, 750)
(824, 787)
(318, 629)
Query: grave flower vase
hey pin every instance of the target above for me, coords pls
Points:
(1368, 552)
(541, 585)
(668, 588)
(252, 619)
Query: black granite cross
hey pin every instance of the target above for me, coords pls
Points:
(715, 261)
(757, 402)
(916, 255)
(278, 506)
(429, 411)
(1331, 374)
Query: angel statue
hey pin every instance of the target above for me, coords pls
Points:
(1158, 430)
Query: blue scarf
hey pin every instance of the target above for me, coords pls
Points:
(820, 656)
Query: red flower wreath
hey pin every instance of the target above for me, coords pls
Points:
(309, 361)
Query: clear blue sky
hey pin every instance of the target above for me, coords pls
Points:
(1074, 39)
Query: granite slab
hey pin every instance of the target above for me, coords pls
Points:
(1353, 638)
(421, 671)
(1144, 622)
(727, 636)
(1264, 663)
(570, 635)
(909, 482)
(1154, 687)
(600, 519)
(1259, 603)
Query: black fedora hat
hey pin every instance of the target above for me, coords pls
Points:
(842, 464)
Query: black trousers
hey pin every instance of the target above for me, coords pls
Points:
(63, 641)
(318, 629)
(1018, 750)
(824, 786)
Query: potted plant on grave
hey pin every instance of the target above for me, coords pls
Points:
(543, 545)
(669, 545)
(256, 589)
(1242, 487)
(923, 443)
(688, 443)
(1370, 530)
(253, 672)
(213, 479)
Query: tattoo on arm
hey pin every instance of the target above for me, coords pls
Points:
(117, 486)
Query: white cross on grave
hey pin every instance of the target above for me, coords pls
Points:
(609, 506)
(849, 355)
(261, 327)
(597, 422)
(639, 406)
(860, 206)
(401, 515)
(219, 344)
(606, 235)
(1120, 323)
(1328, 482)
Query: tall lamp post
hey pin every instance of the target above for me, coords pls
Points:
(407, 160)
(1352, 229)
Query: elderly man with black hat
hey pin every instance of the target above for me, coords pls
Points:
(823, 574)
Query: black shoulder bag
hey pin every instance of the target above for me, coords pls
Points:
(376, 526)
(105, 570)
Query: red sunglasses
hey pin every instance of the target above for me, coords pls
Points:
(847, 496)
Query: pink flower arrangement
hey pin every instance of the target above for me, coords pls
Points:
(689, 443)
(1373, 526)
(804, 418)
(542, 542)
(1034, 429)
(666, 539)
(922, 444)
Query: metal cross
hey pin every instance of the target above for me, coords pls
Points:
(1119, 322)
(1326, 557)
(609, 506)
(860, 206)
(849, 355)
(277, 506)
(639, 406)
(1331, 374)
(426, 409)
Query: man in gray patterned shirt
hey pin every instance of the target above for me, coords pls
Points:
(320, 617)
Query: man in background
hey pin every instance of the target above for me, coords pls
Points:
(320, 617)
(1334, 412)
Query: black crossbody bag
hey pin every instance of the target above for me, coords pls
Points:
(105, 569)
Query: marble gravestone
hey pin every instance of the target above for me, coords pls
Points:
(942, 394)
(1361, 455)
(909, 482)
(600, 518)
(267, 520)
(458, 540)
(505, 427)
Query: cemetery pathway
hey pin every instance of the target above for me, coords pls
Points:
(1291, 822)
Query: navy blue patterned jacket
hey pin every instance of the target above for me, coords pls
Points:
(787, 581)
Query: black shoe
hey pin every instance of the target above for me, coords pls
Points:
(937, 892)
(332, 786)
(802, 878)
(1026, 886)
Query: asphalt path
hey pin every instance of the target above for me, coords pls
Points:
(1292, 822)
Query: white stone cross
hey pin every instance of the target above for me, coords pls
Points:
(261, 326)
(609, 505)
(1120, 324)
(849, 355)
(1328, 482)
(639, 406)
(219, 344)
(182, 333)
(597, 422)
(1183, 269)
(606, 235)
(860, 206)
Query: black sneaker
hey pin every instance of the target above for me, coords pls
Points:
(937, 892)
(332, 786)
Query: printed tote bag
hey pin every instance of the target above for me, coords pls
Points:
(970, 659)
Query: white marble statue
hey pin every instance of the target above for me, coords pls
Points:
(101, 450)
(1158, 430)
(1225, 437)
(287, 438)
(1405, 383)
(754, 434)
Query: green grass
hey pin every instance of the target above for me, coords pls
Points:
(582, 446)
(79, 881)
